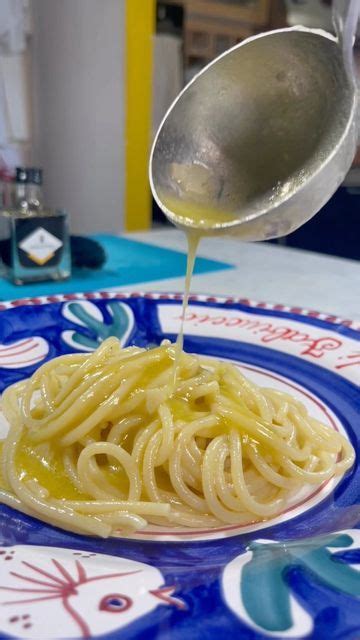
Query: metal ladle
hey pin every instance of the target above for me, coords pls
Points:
(262, 137)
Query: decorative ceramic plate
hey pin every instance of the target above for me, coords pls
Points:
(297, 576)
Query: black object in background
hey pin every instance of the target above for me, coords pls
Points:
(158, 216)
(335, 230)
(169, 18)
(85, 253)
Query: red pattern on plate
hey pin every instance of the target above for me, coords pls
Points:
(98, 295)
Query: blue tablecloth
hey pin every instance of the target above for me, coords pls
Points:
(128, 262)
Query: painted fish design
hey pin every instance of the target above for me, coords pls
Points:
(48, 593)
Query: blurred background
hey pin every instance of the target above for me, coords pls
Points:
(84, 85)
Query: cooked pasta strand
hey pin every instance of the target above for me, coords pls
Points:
(108, 441)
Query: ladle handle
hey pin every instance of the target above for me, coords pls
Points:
(345, 17)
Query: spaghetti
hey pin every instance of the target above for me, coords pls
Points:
(105, 441)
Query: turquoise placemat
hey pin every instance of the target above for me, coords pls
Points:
(128, 262)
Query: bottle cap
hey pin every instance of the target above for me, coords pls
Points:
(35, 175)
(21, 175)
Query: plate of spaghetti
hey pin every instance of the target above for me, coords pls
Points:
(151, 490)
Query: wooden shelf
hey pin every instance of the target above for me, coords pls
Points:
(254, 13)
(212, 26)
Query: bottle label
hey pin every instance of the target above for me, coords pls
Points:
(40, 245)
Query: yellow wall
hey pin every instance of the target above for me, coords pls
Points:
(140, 26)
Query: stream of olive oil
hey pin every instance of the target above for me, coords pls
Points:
(193, 239)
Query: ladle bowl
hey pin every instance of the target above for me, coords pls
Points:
(260, 139)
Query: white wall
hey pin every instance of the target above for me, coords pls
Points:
(79, 105)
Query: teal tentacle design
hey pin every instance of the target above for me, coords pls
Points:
(334, 573)
(265, 593)
(118, 327)
(84, 341)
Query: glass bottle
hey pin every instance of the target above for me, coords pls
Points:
(36, 247)
(34, 194)
(21, 180)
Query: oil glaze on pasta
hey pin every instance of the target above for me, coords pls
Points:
(105, 441)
